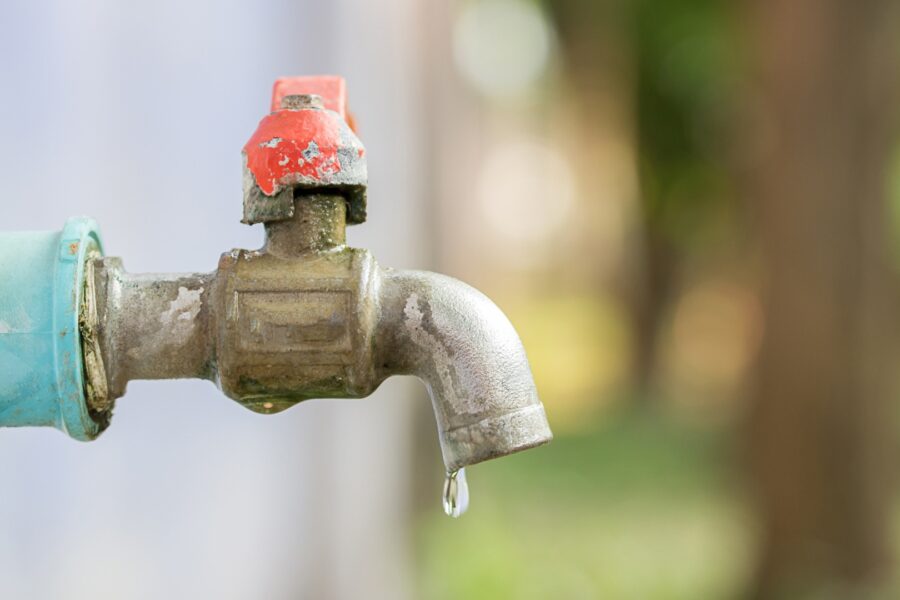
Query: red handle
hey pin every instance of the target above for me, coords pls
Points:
(332, 89)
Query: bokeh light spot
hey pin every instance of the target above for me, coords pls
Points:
(526, 191)
(502, 46)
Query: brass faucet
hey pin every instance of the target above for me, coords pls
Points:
(306, 316)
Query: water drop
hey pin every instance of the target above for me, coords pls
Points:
(456, 493)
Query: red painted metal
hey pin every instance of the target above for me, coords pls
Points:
(290, 146)
(308, 147)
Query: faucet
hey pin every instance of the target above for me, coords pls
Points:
(305, 316)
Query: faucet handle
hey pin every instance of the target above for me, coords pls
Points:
(306, 143)
(331, 88)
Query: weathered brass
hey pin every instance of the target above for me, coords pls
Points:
(308, 317)
(297, 320)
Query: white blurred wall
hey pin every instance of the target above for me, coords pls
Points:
(134, 113)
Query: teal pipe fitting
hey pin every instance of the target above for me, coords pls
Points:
(42, 278)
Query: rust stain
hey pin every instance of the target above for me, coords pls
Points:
(73, 248)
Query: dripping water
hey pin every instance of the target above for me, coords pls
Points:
(456, 493)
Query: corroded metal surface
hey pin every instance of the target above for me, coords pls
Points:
(308, 317)
(302, 145)
(151, 326)
(96, 391)
(319, 224)
(464, 348)
(295, 320)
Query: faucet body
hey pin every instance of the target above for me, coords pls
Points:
(306, 316)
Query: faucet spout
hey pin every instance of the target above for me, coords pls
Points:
(470, 358)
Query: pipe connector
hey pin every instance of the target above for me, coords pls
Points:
(45, 377)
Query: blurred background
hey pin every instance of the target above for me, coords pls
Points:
(689, 209)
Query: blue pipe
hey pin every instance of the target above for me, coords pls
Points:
(41, 289)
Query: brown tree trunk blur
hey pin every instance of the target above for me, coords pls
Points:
(650, 295)
(820, 436)
(598, 44)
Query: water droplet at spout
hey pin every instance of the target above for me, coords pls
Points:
(456, 493)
